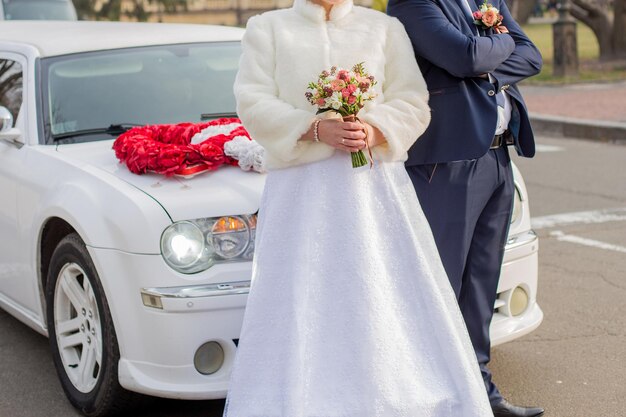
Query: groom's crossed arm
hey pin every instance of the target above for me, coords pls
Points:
(507, 57)
(436, 39)
(525, 60)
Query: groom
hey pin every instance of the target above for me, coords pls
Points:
(460, 166)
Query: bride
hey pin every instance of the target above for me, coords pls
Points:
(350, 313)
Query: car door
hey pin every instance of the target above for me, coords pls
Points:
(17, 291)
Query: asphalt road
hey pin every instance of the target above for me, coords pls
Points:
(574, 365)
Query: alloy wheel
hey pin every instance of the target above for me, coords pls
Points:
(78, 327)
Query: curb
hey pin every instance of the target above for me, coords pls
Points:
(596, 130)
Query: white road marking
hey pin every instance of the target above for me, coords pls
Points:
(584, 217)
(548, 148)
(562, 237)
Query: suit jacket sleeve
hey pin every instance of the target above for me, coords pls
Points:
(524, 62)
(271, 121)
(403, 114)
(440, 42)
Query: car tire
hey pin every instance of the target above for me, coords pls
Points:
(81, 332)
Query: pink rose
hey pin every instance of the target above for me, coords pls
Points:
(337, 85)
(351, 100)
(345, 92)
(490, 17)
(321, 102)
(477, 15)
(343, 75)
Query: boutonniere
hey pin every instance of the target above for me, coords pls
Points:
(488, 17)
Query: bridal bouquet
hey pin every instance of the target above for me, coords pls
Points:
(344, 92)
(488, 17)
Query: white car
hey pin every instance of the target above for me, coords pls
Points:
(140, 281)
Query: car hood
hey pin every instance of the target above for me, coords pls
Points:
(226, 191)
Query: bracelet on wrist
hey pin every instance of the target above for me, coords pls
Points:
(316, 125)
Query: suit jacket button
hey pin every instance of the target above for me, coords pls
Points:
(491, 93)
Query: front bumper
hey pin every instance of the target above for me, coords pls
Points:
(157, 345)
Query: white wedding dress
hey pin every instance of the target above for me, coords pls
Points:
(350, 313)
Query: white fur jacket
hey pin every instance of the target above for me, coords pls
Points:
(284, 50)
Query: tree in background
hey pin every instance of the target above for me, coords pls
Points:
(521, 9)
(112, 9)
(610, 30)
(81, 7)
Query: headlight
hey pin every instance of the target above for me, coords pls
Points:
(517, 206)
(195, 245)
(183, 247)
(230, 237)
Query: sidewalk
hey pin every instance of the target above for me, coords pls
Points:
(588, 111)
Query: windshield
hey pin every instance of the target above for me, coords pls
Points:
(137, 86)
(38, 10)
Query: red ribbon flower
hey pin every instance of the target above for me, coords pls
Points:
(167, 149)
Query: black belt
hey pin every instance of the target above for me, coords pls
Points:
(504, 139)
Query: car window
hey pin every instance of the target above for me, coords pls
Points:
(151, 85)
(38, 10)
(11, 86)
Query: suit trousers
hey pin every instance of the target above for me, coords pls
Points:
(468, 205)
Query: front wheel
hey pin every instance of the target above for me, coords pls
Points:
(81, 333)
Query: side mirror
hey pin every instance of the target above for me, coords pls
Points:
(8, 133)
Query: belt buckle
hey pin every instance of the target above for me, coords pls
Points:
(497, 142)
(503, 139)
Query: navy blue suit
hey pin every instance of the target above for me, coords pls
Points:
(465, 189)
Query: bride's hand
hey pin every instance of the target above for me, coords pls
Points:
(374, 136)
(345, 136)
